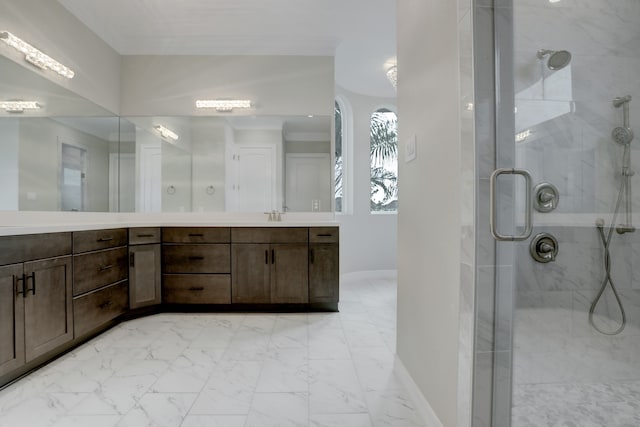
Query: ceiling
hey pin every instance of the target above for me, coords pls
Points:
(360, 33)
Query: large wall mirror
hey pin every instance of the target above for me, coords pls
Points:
(72, 155)
(225, 164)
(60, 157)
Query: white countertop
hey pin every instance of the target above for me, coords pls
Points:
(15, 223)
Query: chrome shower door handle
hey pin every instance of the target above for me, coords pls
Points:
(528, 218)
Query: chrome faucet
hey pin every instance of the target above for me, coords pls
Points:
(274, 215)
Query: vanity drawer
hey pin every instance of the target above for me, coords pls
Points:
(96, 308)
(207, 258)
(144, 235)
(97, 269)
(196, 235)
(324, 234)
(196, 289)
(30, 247)
(95, 240)
(270, 235)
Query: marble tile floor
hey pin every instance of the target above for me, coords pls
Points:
(228, 370)
(577, 405)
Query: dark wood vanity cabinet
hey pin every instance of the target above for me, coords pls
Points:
(196, 265)
(57, 289)
(48, 317)
(11, 319)
(269, 265)
(145, 271)
(36, 314)
(324, 265)
(100, 281)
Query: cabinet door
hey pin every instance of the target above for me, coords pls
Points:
(11, 319)
(144, 275)
(250, 273)
(324, 272)
(48, 306)
(289, 273)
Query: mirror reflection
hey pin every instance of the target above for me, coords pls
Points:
(72, 155)
(232, 164)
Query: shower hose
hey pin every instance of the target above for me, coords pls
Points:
(606, 242)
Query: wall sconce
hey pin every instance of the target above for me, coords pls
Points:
(223, 105)
(35, 56)
(19, 106)
(166, 133)
(392, 75)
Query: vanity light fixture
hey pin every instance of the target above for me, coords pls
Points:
(392, 75)
(35, 56)
(166, 133)
(223, 105)
(19, 106)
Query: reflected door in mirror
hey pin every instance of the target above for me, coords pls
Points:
(72, 180)
(254, 190)
(308, 182)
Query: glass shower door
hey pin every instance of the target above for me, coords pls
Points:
(567, 298)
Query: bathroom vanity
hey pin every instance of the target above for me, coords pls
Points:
(59, 289)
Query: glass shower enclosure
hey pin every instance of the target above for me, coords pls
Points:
(560, 322)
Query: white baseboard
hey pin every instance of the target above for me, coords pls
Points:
(372, 274)
(423, 408)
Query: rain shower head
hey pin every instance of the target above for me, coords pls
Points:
(558, 59)
(622, 135)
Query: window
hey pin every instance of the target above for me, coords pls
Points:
(339, 171)
(383, 138)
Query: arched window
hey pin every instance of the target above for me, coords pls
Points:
(339, 165)
(383, 138)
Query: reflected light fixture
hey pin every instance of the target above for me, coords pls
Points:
(224, 105)
(522, 136)
(392, 75)
(35, 56)
(166, 133)
(19, 106)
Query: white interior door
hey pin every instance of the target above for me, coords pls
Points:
(255, 180)
(308, 182)
(122, 175)
(73, 172)
(150, 180)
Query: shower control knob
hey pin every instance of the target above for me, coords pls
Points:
(544, 248)
(546, 197)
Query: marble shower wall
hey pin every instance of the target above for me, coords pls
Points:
(569, 112)
(571, 116)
